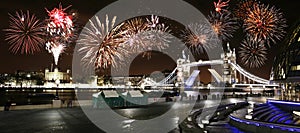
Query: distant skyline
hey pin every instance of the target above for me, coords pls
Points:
(12, 62)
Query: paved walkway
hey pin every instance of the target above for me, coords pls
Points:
(64, 120)
(46, 121)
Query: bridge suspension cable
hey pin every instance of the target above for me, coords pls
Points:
(172, 76)
(169, 77)
(249, 75)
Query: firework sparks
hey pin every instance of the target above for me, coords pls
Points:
(158, 35)
(100, 43)
(198, 37)
(60, 29)
(219, 5)
(146, 36)
(134, 37)
(224, 25)
(60, 24)
(72, 38)
(265, 23)
(25, 33)
(157, 38)
(153, 22)
(55, 48)
(252, 53)
(243, 8)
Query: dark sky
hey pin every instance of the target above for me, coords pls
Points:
(86, 9)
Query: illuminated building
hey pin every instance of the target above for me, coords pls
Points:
(286, 68)
(229, 73)
(57, 76)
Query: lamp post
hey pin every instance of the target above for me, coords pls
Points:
(29, 79)
(57, 82)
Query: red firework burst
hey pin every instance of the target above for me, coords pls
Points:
(60, 24)
(219, 5)
(25, 33)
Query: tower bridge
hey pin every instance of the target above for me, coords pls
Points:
(231, 73)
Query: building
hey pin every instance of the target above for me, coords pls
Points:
(229, 73)
(183, 72)
(286, 67)
(57, 76)
(22, 78)
(130, 81)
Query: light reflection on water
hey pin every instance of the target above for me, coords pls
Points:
(127, 125)
(136, 115)
(135, 119)
(133, 114)
(144, 113)
(131, 124)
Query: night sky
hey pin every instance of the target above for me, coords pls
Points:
(12, 62)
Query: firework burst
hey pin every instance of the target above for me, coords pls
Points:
(265, 23)
(77, 27)
(153, 22)
(25, 33)
(60, 29)
(100, 43)
(198, 37)
(224, 25)
(219, 5)
(145, 36)
(134, 37)
(55, 48)
(252, 53)
(157, 38)
(243, 8)
(60, 24)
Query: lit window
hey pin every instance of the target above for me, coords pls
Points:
(294, 68)
(299, 39)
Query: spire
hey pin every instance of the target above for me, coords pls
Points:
(183, 54)
(228, 47)
(233, 52)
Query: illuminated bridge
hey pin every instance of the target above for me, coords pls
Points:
(232, 73)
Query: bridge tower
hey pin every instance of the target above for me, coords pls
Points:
(229, 73)
(183, 72)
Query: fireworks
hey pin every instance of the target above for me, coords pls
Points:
(243, 8)
(55, 48)
(265, 23)
(252, 53)
(224, 25)
(145, 36)
(153, 22)
(25, 33)
(105, 45)
(134, 37)
(100, 43)
(60, 29)
(60, 24)
(198, 37)
(220, 5)
(159, 36)
(156, 38)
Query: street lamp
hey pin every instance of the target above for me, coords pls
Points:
(57, 82)
(29, 79)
